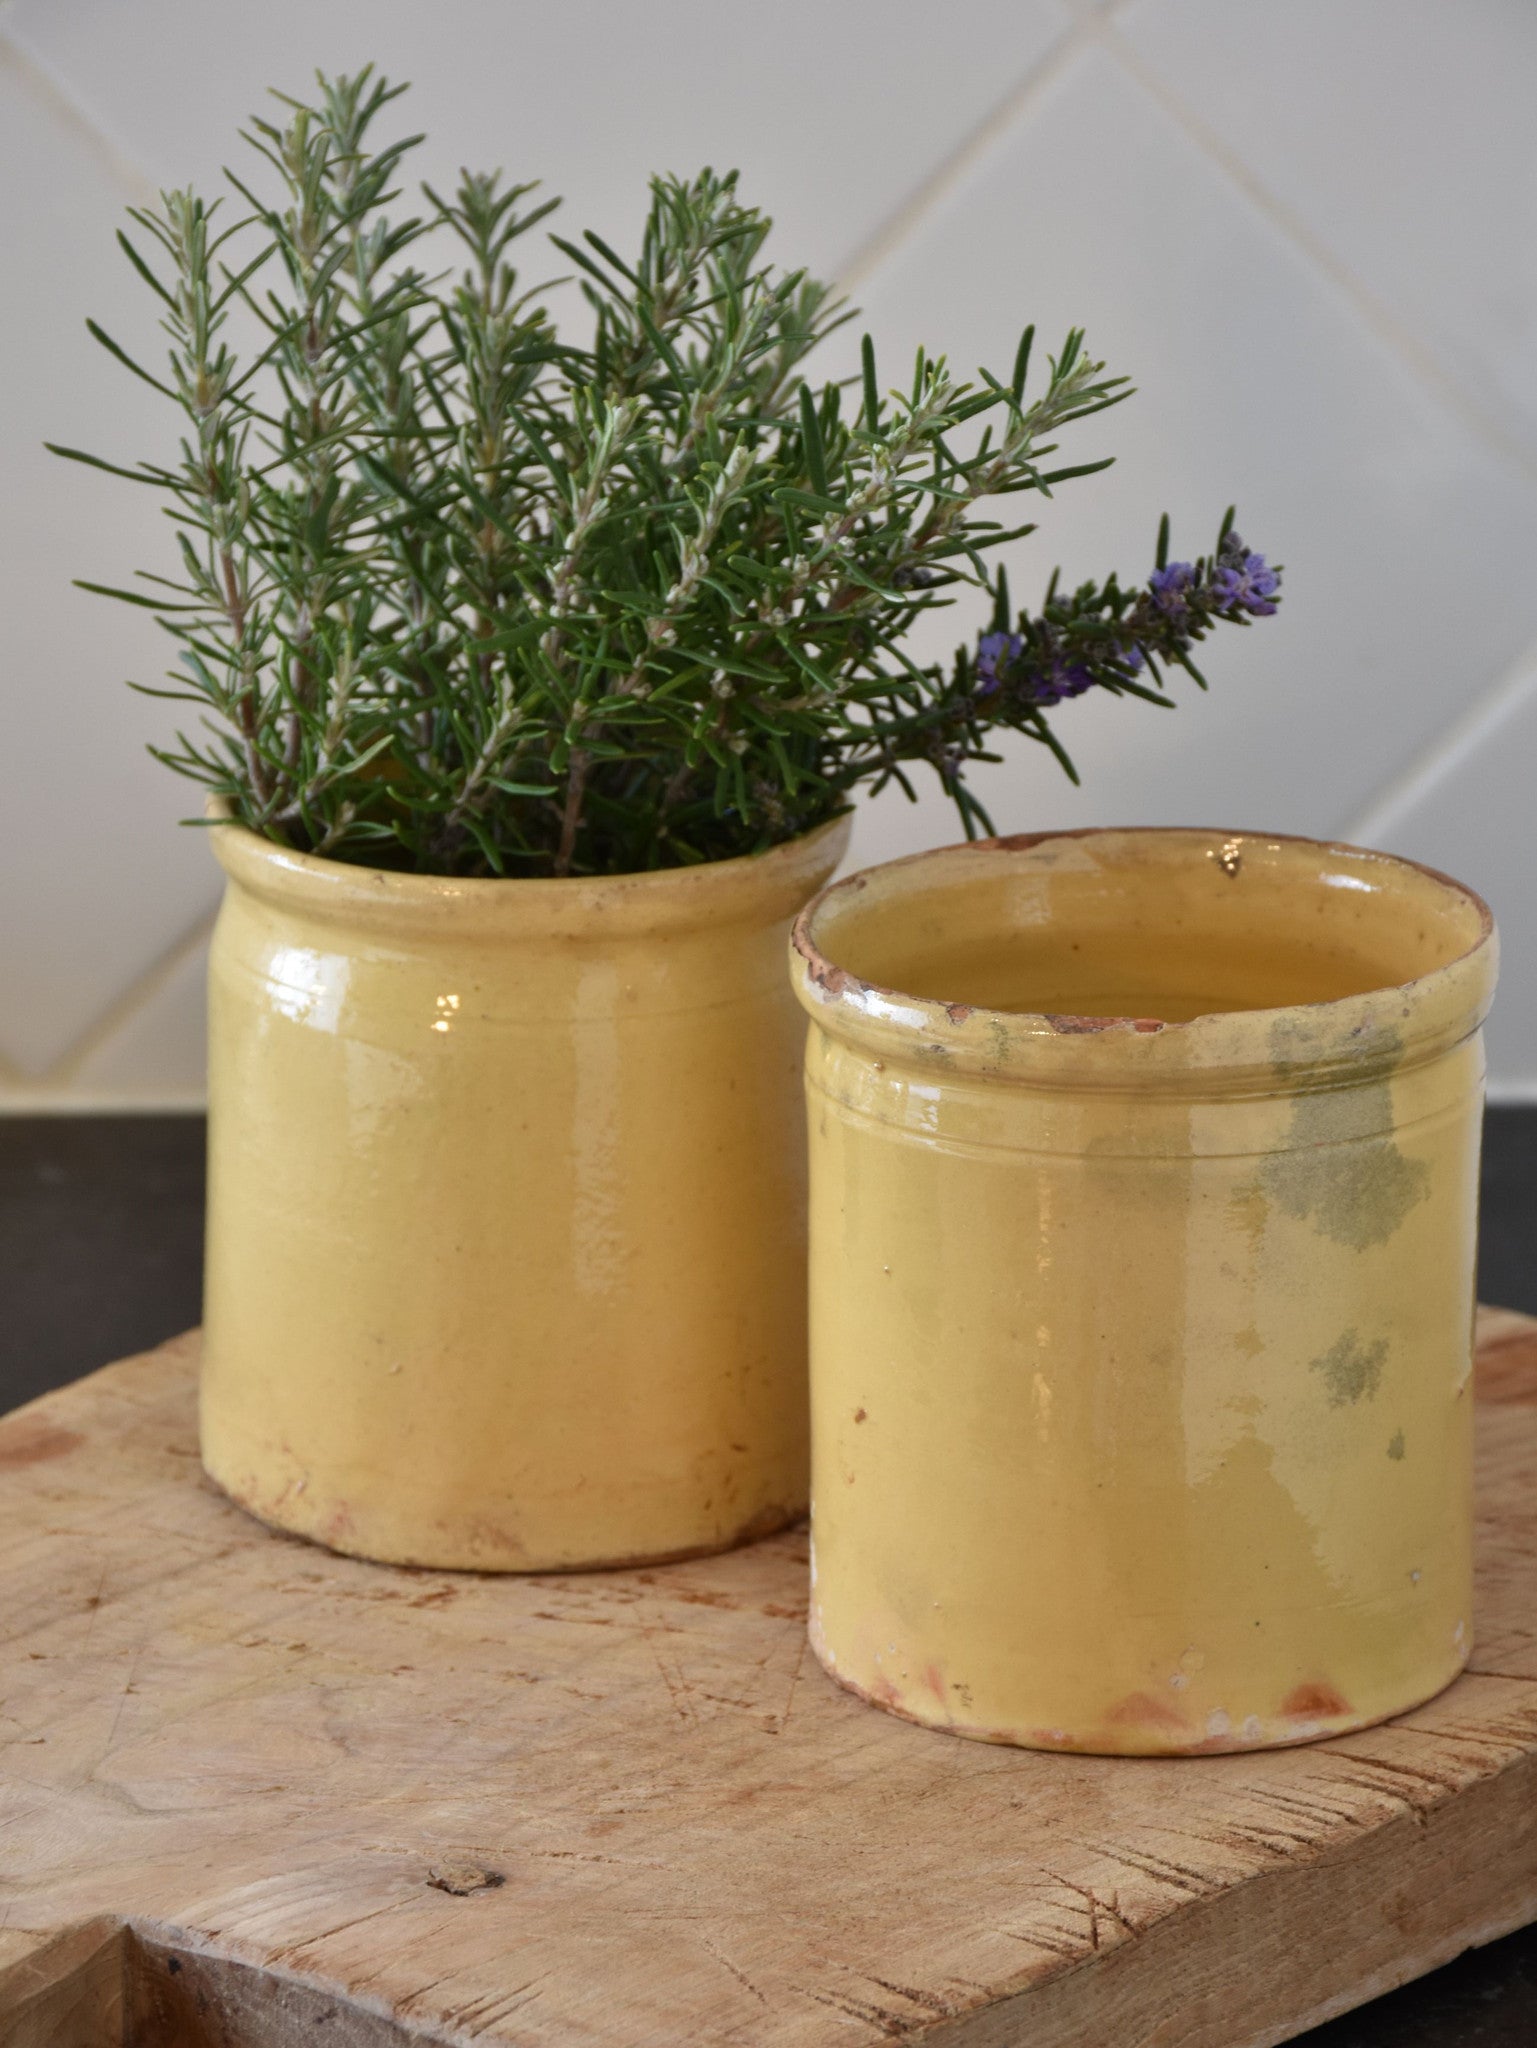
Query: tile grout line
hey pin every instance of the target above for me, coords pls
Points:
(898, 225)
(1454, 744)
(1489, 429)
(122, 1011)
(39, 80)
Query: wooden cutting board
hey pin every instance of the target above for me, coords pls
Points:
(253, 1794)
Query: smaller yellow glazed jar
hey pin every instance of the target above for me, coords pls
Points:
(1144, 1173)
(506, 1251)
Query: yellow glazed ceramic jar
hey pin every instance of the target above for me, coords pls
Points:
(1143, 1200)
(506, 1208)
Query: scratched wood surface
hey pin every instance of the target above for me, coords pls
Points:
(252, 1794)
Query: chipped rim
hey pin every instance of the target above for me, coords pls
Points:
(1232, 1050)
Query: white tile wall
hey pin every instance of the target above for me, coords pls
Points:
(834, 112)
(95, 881)
(1309, 232)
(1398, 140)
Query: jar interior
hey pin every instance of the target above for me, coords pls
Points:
(1167, 926)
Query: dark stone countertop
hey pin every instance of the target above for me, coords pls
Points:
(101, 1229)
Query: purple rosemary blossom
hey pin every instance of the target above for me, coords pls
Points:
(1169, 586)
(1243, 581)
(1117, 637)
(994, 653)
(1051, 676)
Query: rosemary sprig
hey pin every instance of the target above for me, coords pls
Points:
(459, 596)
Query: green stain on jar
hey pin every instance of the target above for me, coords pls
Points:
(1351, 1370)
(1341, 1169)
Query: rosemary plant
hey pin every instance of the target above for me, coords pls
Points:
(461, 596)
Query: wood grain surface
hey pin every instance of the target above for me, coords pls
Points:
(252, 1794)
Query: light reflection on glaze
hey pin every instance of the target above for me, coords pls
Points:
(308, 987)
(876, 1002)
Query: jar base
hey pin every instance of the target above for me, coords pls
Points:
(1249, 1736)
(475, 1549)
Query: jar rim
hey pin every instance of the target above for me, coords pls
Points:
(772, 883)
(1232, 1050)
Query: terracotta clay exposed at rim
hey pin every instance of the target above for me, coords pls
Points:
(1075, 1026)
(836, 980)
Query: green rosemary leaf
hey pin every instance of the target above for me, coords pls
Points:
(792, 496)
(872, 396)
(143, 269)
(183, 696)
(1022, 364)
(584, 262)
(1060, 476)
(1041, 730)
(153, 604)
(1183, 658)
(100, 334)
(596, 242)
(143, 475)
(1124, 688)
(811, 442)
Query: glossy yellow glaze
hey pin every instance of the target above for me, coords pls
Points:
(506, 1208)
(1141, 1348)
